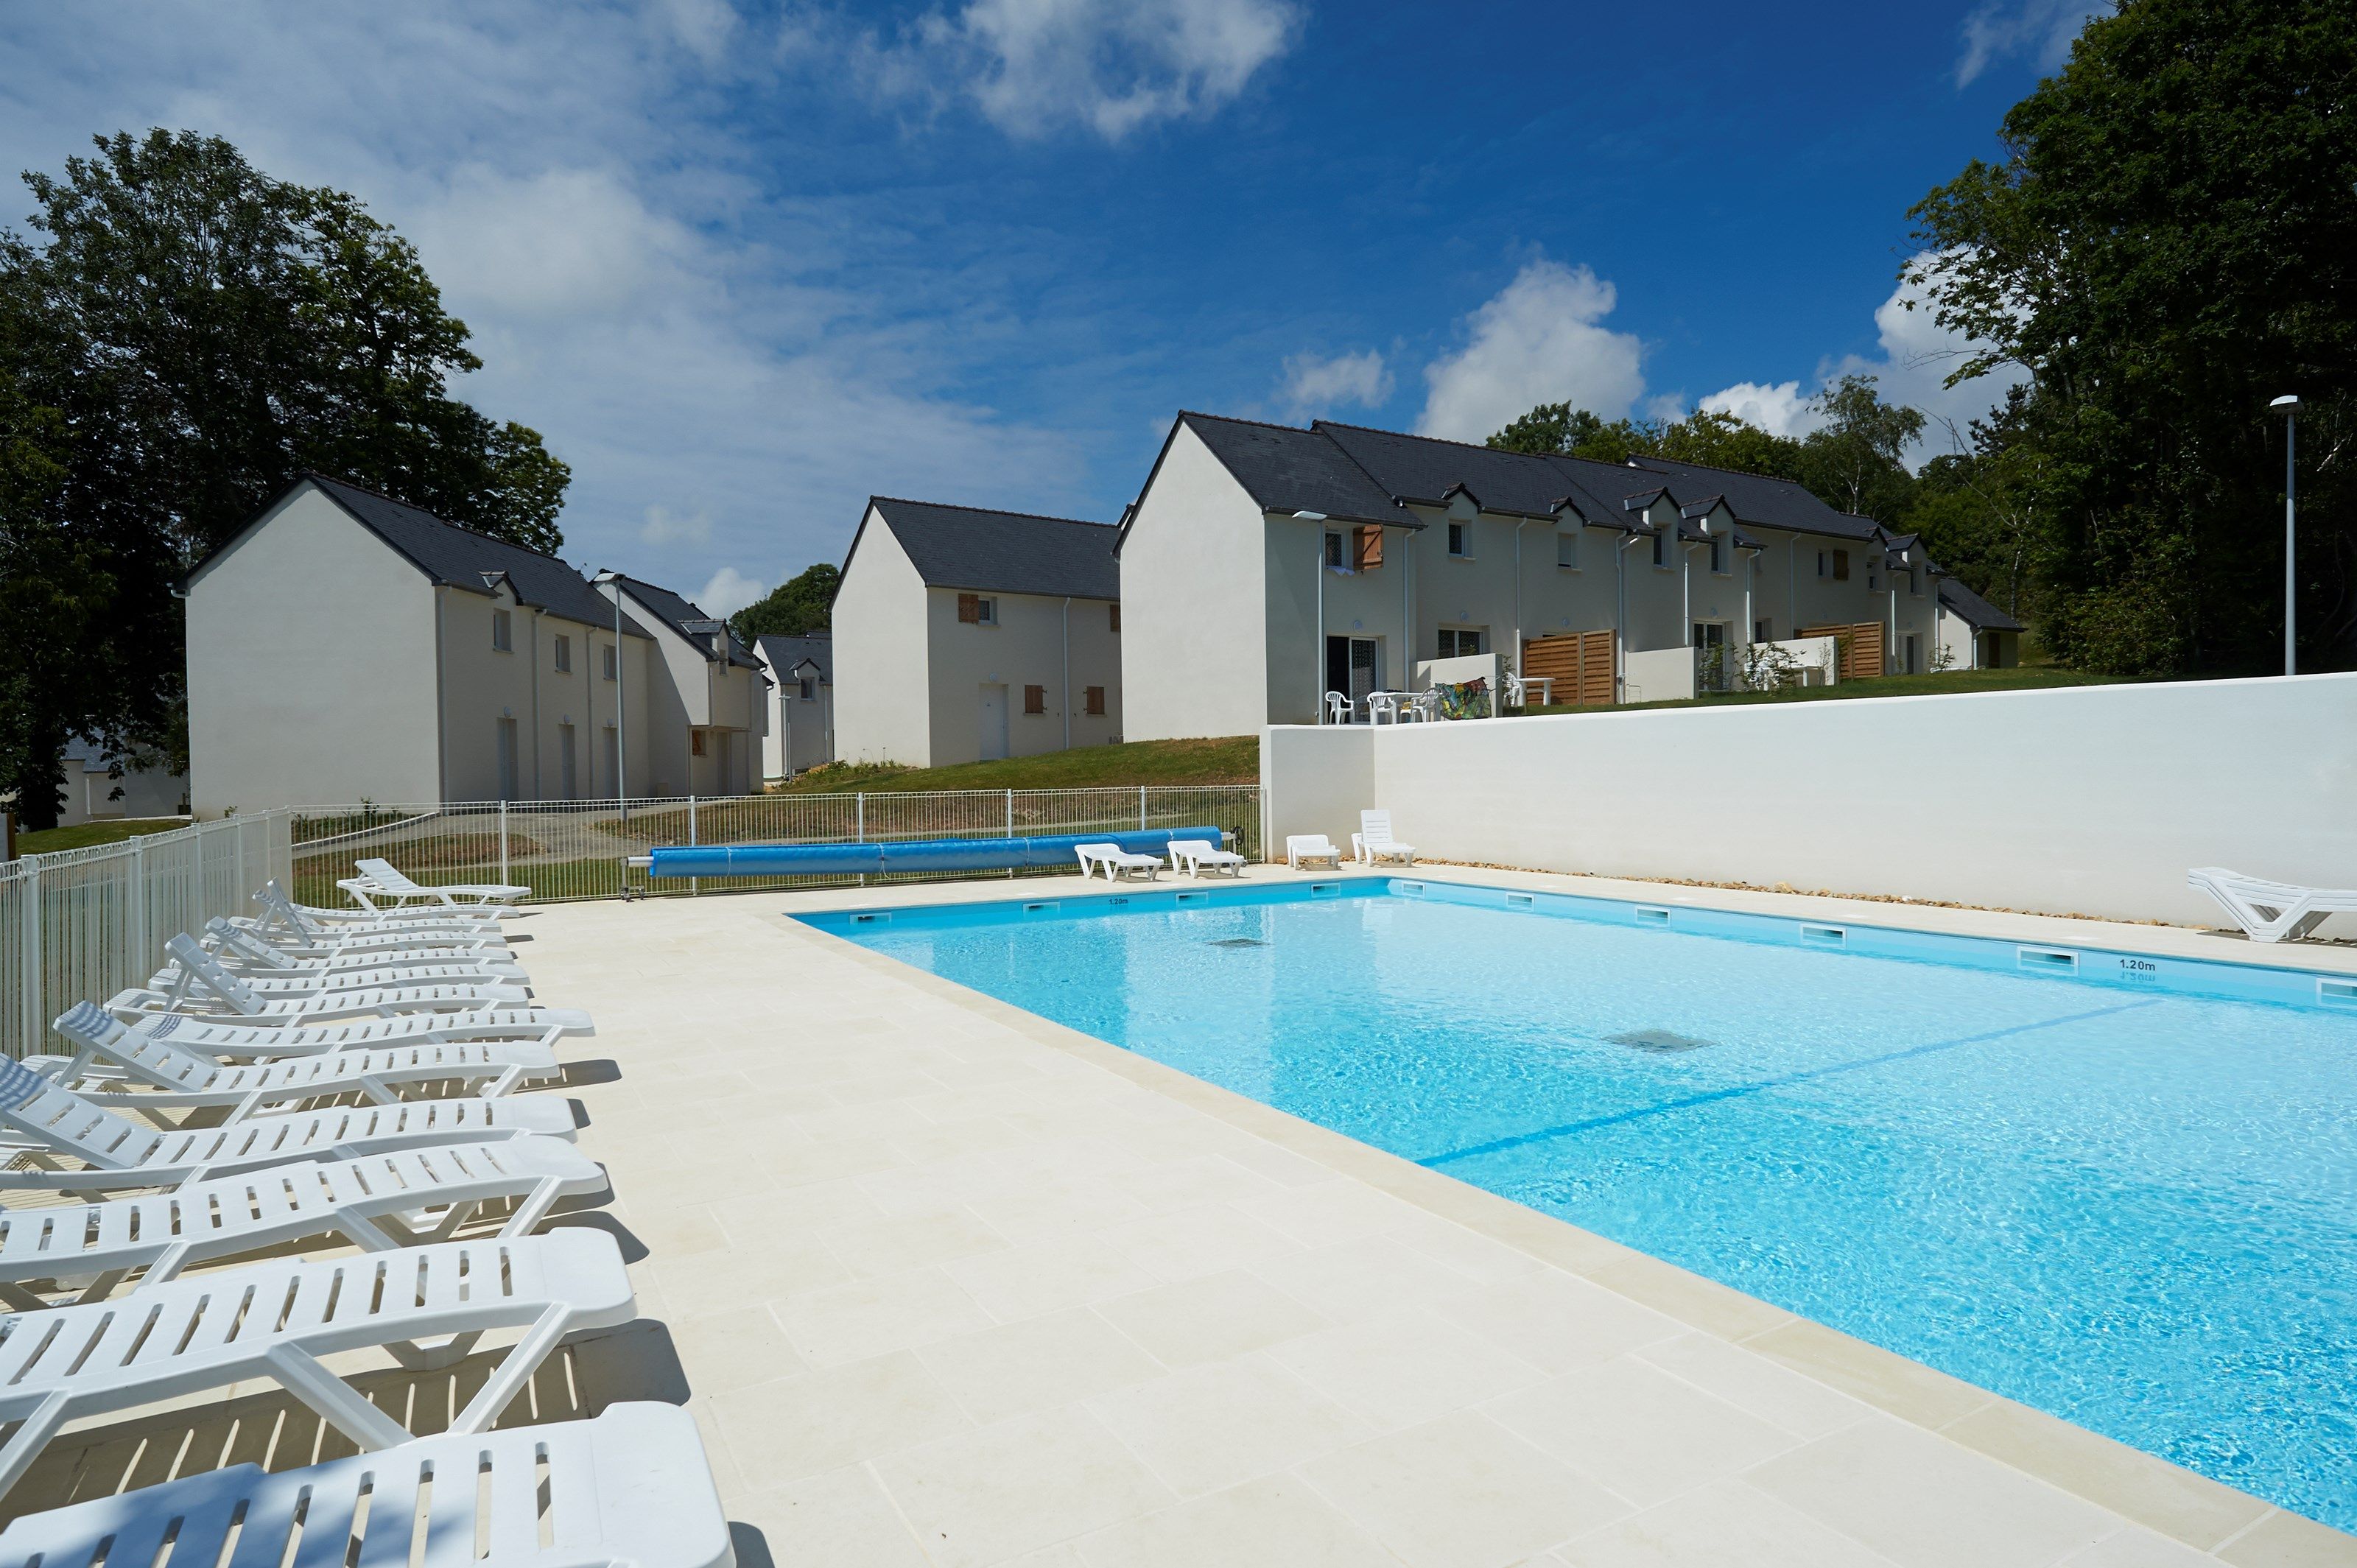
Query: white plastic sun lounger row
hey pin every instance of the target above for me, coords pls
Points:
(1116, 862)
(277, 1320)
(243, 951)
(1191, 855)
(280, 913)
(628, 1488)
(176, 1076)
(239, 1041)
(46, 1123)
(2271, 911)
(376, 1202)
(378, 880)
(189, 961)
(201, 985)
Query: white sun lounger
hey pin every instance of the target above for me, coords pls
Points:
(376, 1202)
(230, 995)
(280, 913)
(379, 879)
(179, 1077)
(1115, 860)
(2271, 911)
(1299, 847)
(235, 1041)
(1192, 855)
(46, 1123)
(628, 1489)
(277, 1320)
(1373, 841)
(242, 948)
(186, 951)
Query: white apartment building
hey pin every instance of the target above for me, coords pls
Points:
(802, 701)
(962, 634)
(344, 646)
(1263, 566)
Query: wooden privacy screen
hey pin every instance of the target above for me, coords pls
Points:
(1579, 663)
(1861, 646)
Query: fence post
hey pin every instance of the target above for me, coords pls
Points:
(30, 949)
(695, 884)
(136, 934)
(1010, 828)
(1141, 807)
(859, 825)
(503, 842)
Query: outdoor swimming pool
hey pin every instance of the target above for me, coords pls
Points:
(2118, 1188)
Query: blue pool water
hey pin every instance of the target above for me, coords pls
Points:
(2120, 1191)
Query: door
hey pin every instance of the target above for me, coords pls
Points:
(1351, 668)
(1907, 654)
(1711, 673)
(994, 722)
(564, 761)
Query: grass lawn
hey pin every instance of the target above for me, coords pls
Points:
(81, 835)
(1234, 759)
(2022, 678)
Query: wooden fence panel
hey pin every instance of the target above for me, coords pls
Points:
(1862, 650)
(1579, 664)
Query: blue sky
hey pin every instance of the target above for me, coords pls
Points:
(746, 264)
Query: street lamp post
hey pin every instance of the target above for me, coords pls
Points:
(2290, 408)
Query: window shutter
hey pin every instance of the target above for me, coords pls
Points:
(1035, 699)
(1116, 610)
(1841, 566)
(1367, 545)
(1096, 699)
(970, 608)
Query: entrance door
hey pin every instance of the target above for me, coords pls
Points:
(1711, 673)
(1907, 654)
(1350, 670)
(993, 723)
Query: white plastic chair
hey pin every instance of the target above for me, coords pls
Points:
(191, 1336)
(630, 1488)
(1338, 708)
(1115, 860)
(179, 1077)
(375, 1202)
(1373, 841)
(2271, 911)
(49, 1123)
(381, 879)
(1193, 854)
(1299, 847)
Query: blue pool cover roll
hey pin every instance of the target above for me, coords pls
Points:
(914, 855)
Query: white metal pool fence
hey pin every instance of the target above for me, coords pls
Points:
(86, 923)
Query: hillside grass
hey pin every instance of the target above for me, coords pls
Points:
(83, 835)
(1231, 760)
(1947, 682)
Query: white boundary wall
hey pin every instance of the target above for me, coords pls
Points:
(2086, 799)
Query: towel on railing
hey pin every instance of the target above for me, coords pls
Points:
(1464, 699)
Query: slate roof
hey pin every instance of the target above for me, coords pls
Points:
(1427, 471)
(1756, 499)
(981, 551)
(1288, 470)
(460, 557)
(709, 633)
(784, 652)
(1973, 610)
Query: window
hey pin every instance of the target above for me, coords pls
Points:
(695, 743)
(613, 660)
(1113, 618)
(1458, 542)
(1915, 580)
(1872, 587)
(1334, 561)
(989, 612)
(503, 634)
(1367, 546)
(1661, 549)
(1567, 549)
(1825, 564)
(1841, 566)
(1456, 643)
(1035, 699)
(1719, 556)
(808, 688)
(975, 610)
(563, 654)
(1763, 631)
(1092, 700)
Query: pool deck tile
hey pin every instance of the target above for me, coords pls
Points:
(946, 1284)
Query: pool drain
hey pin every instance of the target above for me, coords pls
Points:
(1656, 1042)
(1237, 943)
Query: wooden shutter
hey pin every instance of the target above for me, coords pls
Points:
(1096, 698)
(1116, 612)
(1841, 566)
(970, 608)
(1367, 546)
(1035, 699)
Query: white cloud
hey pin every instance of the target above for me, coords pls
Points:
(1033, 66)
(2041, 29)
(1536, 341)
(728, 591)
(1917, 355)
(1781, 409)
(1313, 385)
(665, 526)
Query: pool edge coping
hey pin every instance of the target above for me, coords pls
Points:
(2143, 1488)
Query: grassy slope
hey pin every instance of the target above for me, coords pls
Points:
(2027, 677)
(49, 841)
(1234, 759)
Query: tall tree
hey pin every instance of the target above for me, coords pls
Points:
(197, 333)
(803, 603)
(2167, 245)
(1855, 458)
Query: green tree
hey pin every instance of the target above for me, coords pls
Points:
(2166, 244)
(801, 604)
(1854, 459)
(199, 333)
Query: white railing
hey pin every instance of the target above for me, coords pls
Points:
(87, 922)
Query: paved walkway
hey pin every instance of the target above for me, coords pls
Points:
(951, 1285)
